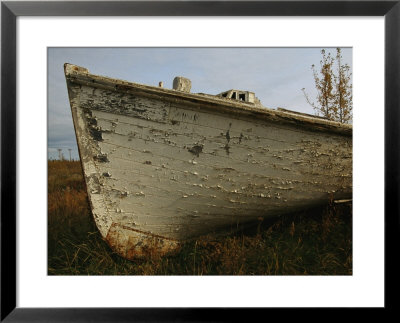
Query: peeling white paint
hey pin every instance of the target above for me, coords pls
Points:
(154, 159)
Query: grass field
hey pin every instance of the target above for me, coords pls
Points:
(312, 242)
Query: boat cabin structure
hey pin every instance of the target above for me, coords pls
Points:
(245, 96)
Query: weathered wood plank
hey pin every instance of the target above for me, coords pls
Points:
(206, 165)
(241, 147)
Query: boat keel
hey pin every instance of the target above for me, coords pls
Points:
(131, 244)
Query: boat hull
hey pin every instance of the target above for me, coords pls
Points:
(160, 170)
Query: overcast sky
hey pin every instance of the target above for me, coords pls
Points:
(276, 75)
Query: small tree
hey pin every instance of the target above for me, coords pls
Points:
(344, 90)
(334, 98)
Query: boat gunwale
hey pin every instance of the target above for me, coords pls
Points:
(80, 75)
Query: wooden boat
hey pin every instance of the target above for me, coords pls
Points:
(165, 165)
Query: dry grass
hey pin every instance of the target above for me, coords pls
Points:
(313, 242)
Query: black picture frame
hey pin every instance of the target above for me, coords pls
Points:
(10, 10)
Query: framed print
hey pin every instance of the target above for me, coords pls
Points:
(36, 37)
